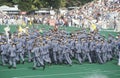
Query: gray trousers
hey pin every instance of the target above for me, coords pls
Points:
(99, 57)
(29, 56)
(12, 61)
(60, 57)
(78, 57)
(104, 57)
(109, 56)
(46, 58)
(87, 55)
(54, 56)
(3, 57)
(67, 58)
(39, 61)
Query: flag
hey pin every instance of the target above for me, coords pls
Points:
(93, 27)
(20, 29)
(30, 23)
(23, 24)
(7, 29)
(41, 31)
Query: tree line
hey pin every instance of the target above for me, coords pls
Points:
(28, 5)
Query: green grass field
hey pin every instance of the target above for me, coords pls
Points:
(68, 29)
(86, 70)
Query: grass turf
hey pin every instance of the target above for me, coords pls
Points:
(86, 70)
(68, 29)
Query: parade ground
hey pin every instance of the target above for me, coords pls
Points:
(86, 70)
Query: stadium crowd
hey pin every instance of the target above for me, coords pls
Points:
(102, 13)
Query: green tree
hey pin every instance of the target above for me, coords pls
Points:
(27, 5)
(15, 1)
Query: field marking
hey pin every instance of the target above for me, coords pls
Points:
(59, 67)
(7, 70)
(108, 30)
(63, 74)
(13, 69)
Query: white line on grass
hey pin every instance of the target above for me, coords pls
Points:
(63, 74)
(109, 30)
(13, 69)
(28, 69)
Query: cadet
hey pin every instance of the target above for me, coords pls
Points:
(92, 50)
(109, 51)
(55, 50)
(36, 57)
(60, 55)
(86, 51)
(98, 51)
(104, 50)
(12, 57)
(3, 53)
(79, 51)
(66, 54)
(45, 52)
(20, 52)
(29, 48)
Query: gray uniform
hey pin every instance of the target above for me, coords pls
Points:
(12, 59)
(29, 47)
(66, 54)
(104, 51)
(20, 51)
(3, 53)
(109, 51)
(98, 52)
(45, 53)
(36, 57)
(86, 52)
(78, 52)
(55, 51)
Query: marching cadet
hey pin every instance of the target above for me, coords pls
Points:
(12, 57)
(3, 52)
(45, 52)
(72, 46)
(66, 54)
(86, 51)
(29, 46)
(109, 51)
(55, 50)
(79, 51)
(37, 57)
(60, 55)
(20, 52)
(98, 51)
(92, 49)
(118, 53)
(104, 50)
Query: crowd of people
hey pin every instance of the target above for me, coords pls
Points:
(102, 13)
(57, 47)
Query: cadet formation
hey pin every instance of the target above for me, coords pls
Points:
(57, 47)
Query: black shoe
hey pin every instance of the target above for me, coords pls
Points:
(10, 67)
(18, 62)
(55, 63)
(23, 62)
(90, 62)
(44, 67)
(34, 68)
(14, 67)
(70, 65)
